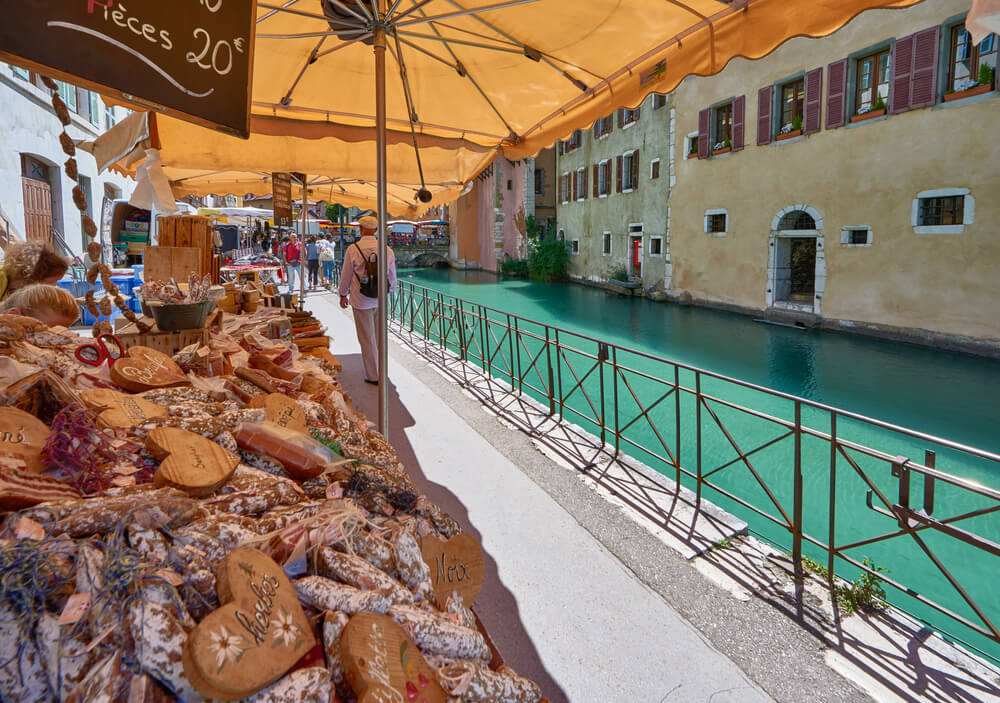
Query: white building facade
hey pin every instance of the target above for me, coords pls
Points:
(36, 195)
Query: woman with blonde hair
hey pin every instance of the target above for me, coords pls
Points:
(49, 305)
(25, 263)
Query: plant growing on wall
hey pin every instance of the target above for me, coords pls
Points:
(514, 267)
(986, 74)
(619, 274)
(549, 260)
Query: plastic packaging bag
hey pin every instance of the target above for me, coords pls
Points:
(301, 455)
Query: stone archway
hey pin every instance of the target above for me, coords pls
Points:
(430, 259)
(796, 262)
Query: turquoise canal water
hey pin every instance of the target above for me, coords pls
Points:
(952, 396)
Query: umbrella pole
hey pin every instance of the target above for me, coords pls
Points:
(383, 322)
(302, 247)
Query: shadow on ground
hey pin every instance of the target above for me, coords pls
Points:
(507, 631)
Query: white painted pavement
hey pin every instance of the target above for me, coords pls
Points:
(560, 607)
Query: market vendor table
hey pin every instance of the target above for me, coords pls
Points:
(252, 274)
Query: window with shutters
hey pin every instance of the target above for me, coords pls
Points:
(603, 126)
(872, 73)
(656, 246)
(970, 65)
(581, 184)
(629, 116)
(68, 94)
(628, 171)
(659, 100)
(792, 96)
(717, 222)
(654, 169)
(606, 244)
(574, 246)
(604, 178)
(722, 126)
(564, 188)
(860, 236)
(574, 142)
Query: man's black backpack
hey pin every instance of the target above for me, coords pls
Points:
(368, 282)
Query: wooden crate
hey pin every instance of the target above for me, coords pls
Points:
(168, 343)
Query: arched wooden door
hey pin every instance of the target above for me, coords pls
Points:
(37, 210)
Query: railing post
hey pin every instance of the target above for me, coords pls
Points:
(441, 333)
(460, 317)
(510, 352)
(602, 355)
(562, 406)
(831, 539)
(677, 423)
(517, 351)
(697, 420)
(614, 382)
(548, 363)
(797, 505)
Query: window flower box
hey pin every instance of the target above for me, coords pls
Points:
(871, 114)
(723, 150)
(975, 90)
(788, 135)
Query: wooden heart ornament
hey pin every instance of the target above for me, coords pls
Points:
(143, 369)
(190, 462)
(456, 565)
(258, 634)
(281, 410)
(121, 409)
(22, 437)
(383, 665)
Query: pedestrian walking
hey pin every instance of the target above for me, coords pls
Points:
(291, 252)
(312, 259)
(327, 257)
(359, 289)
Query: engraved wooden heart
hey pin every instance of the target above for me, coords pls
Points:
(22, 437)
(281, 410)
(143, 369)
(121, 409)
(383, 665)
(190, 462)
(258, 634)
(456, 565)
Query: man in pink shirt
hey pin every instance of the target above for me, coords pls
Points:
(351, 275)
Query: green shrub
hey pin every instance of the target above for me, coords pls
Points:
(797, 123)
(549, 260)
(619, 274)
(866, 593)
(514, 267)
(985, 74)
(879, 104)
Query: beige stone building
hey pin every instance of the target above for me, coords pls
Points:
(614, 182)
(852, 180)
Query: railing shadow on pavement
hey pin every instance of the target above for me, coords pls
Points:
(660, 435)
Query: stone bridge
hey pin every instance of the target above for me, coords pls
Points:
(420, 256)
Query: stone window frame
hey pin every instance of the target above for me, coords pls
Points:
(564, 195)
(605, 166)
(716, 211)
(651, 238)
(574, 247)
(651, 162)
(691, 138)
(845, 235)
(968, 211)
(607, 239)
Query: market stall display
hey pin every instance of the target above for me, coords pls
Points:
(222, 524)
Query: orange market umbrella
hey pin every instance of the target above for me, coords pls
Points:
(509, 75)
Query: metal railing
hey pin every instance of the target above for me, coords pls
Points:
(821, 482)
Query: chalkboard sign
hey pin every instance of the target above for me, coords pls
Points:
(281, 198)
(192, 62)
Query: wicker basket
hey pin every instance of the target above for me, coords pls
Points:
(174, 317)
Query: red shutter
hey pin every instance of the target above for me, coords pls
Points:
(704, 125)
(583, 184)
(813, 101)
(739, 107)
(764, 98)
(618, 187)
(902, 68)
(923, 78)
(635, 170)
(597, 177)
(611, 123)
(836, 97)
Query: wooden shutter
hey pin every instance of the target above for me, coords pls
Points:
(704, 126)
(620, 114)
(583, 184)
(813, 101)
(923, 77)
(82, 103)
(765, 97)
(576, 180)
(618, 179)
(611, 123)
(902, 67)
(636, 113)
(739, 107)
(836, 94)
(635, 170)
(597, 129)
(597, 177)
(37, 210)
